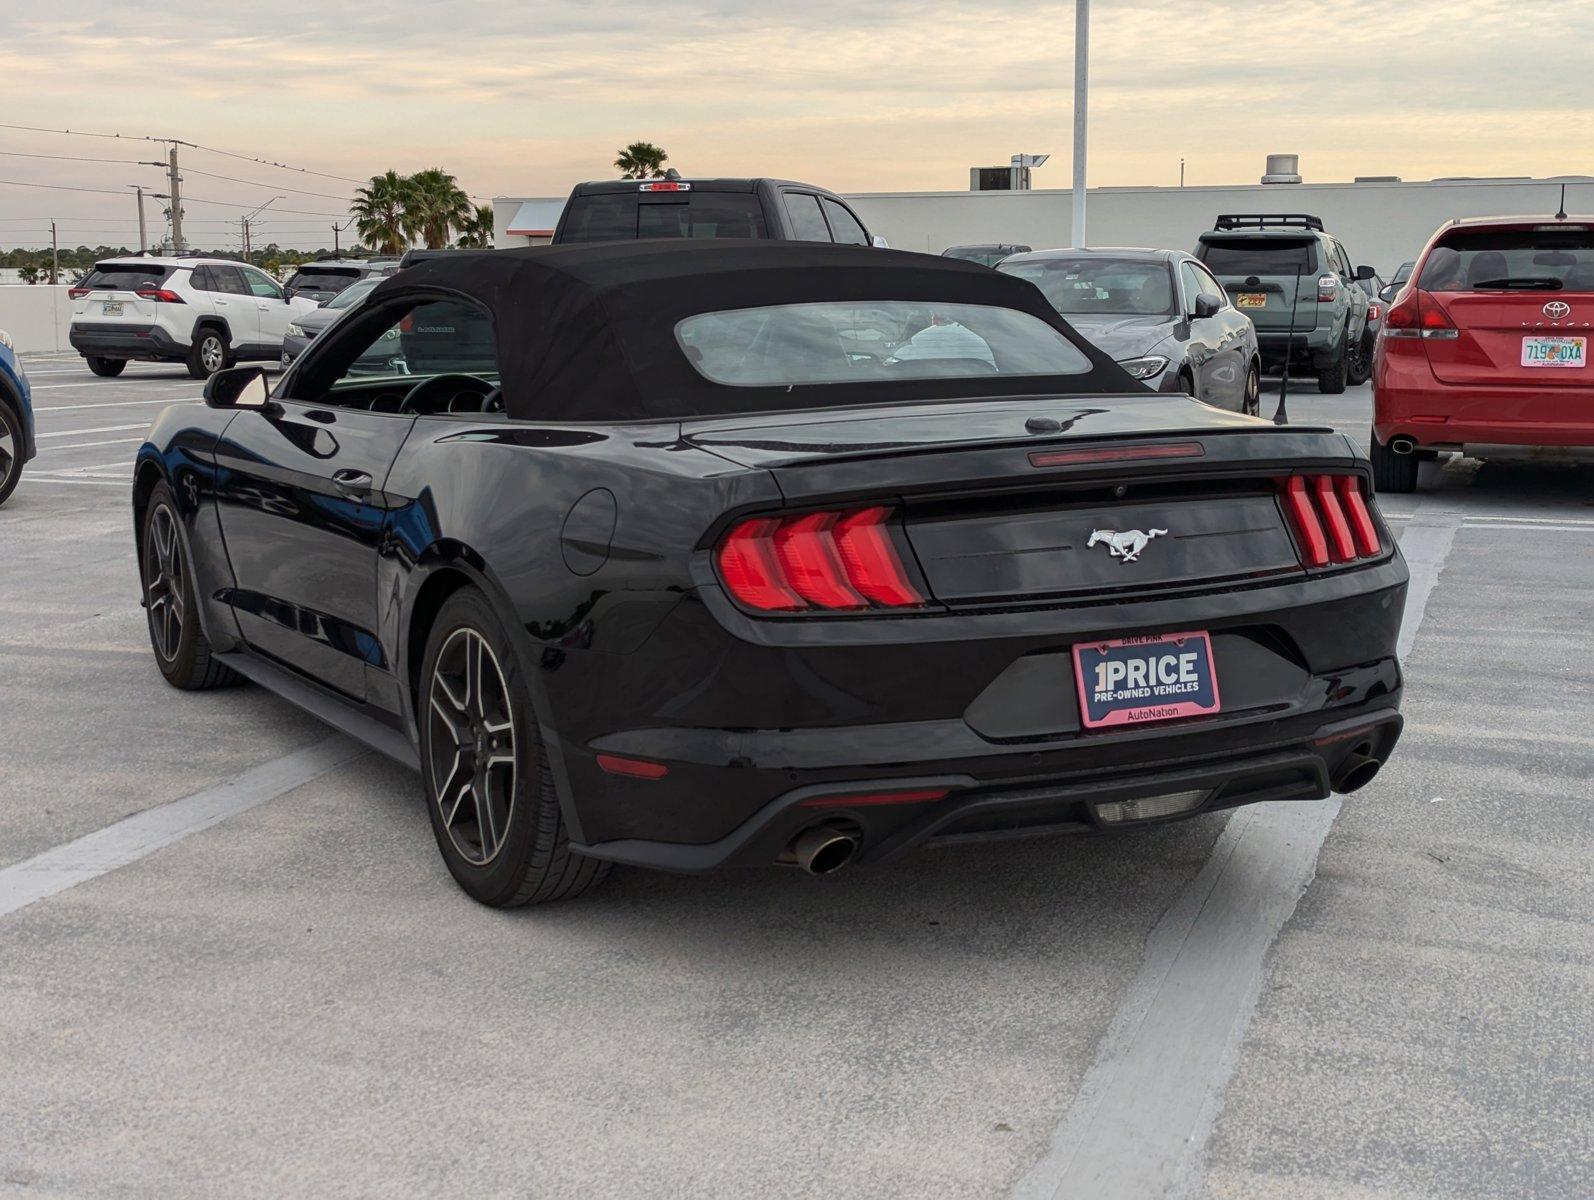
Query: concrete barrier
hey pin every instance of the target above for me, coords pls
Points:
(37, 316)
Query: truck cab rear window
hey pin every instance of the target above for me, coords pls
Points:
(872, 341)
(614, 217)
(1260, 256)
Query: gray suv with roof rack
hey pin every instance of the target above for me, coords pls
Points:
(1296, 283)
(773, 209)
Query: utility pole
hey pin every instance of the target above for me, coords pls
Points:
(176, 182)
(244, 221)
(143, 237)
(55, 256)
(1181, 172)
(1081, 101)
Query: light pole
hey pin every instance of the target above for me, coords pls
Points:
(1081, 100)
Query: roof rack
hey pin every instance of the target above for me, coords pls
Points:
(1228, 221)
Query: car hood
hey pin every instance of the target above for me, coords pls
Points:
(318, 319)
(1121, 336)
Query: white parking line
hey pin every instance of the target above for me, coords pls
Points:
(140, 835)
(96, 429)
(1140, 1122)
(113, 404)
(89, 445)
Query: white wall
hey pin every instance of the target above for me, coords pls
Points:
(36, 316)
(1381, 224)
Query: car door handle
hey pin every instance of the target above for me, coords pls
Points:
(352, 483)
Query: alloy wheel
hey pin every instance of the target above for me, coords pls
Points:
(210, 353)
(471, 745)
(163, 587)
(9, 458)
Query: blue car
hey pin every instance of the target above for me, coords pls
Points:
(17, 443)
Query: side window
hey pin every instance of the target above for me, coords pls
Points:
(229, 280)
(261, 284)
(807, 222)
(843, 225)
(382, 355)
(1209, 284)
(200, 280)
(1192, 285)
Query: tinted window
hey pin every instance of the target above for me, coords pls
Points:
(623, 217)
(1260, 256)
(199, 279)
(843, 225)
(1098, 285)
(122, 277)
(1403, 272)
(1520, 259)
(874, 342)
(354, 293)
(321, 282)
(807, 222)
(229, 280)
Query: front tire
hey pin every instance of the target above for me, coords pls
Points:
(489, 788)
(1331, 379)
(10, 451)
(182, 652)
(208, 354)
(1393, 473)
(106, 368)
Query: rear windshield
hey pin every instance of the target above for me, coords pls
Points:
(619, 217)
(125, 277)
(986, 255)
(329, 280)
(354, 293)
(1548, 260)
(1260, 256)
(874, 341)
(1099, 285)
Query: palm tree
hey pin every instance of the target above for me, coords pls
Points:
(477, 230)
(381, 212)
(437, 205)
(641, 160)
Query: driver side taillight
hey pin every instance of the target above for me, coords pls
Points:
(837, 560)
(1419, 315)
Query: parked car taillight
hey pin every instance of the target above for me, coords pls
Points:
(1374, 311)
(1327, 288)
(159, 295)
(77, 293)
(1419, 315)
(1330, 519)
(835, 561)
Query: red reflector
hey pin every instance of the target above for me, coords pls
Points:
(1062, 458)
(1309, 534)
(1341, 546)
(812, 562)
(751, 570)
(867, 799)
(635, 768)
(870, 558)
(1358, 514)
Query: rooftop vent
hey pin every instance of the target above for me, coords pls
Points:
(1283, 168)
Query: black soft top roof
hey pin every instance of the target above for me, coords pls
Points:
(587, 332)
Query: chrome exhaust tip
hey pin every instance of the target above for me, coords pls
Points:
(824, 849)
(1402, 445)
(1356, 773)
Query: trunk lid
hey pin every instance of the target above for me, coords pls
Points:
(1500, 333)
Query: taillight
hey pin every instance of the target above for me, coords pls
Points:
(1330, 519)
(159, 295)
(1374, 311)
(77, 293)
(1327, 288)
(666, 185)
(832, 561)
(1419, 315)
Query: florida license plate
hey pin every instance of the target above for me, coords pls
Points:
(1554, 351)
(1139, 679)
(1251, 300)
(111, 308)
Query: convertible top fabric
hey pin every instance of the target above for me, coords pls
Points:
(587, 332)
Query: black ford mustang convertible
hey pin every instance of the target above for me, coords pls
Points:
(685, 555)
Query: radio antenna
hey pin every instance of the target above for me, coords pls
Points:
(1561, 216)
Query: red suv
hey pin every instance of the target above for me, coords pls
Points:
(1487, 345)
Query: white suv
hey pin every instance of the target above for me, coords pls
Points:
(206, 312)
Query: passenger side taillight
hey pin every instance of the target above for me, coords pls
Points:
(159, 295)
(1330, 519)
(832, 561)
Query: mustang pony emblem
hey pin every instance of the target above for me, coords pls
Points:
(1126, 545)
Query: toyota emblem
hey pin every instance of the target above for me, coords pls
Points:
(1557, 310)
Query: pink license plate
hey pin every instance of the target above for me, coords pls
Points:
(1132, 681)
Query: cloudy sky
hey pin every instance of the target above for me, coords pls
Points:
(862, 95)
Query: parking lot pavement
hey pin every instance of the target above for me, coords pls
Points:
(296, 1000)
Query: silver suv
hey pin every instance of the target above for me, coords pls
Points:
(205, 312)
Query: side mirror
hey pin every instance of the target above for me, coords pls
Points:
(1207, 305)
(287, 293)
(1365, 273)
(1387, 292)
(238, 387)
(879, 243)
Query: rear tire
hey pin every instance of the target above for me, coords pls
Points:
(1331, 379)
(489, 788)
(208, 353)
(182, 652)
(106, 367)
(10, 451)
(1393, 473)
(1251, 403)
(1360, 368)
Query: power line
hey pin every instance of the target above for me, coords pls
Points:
(131, 162)
(257, 183)
(59, 187)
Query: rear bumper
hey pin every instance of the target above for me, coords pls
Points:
(1317, 346)
(145, 342)
(1408, 401)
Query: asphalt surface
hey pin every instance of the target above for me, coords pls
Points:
(273, 988)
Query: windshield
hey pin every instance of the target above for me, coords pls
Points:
(1080, 286)
(1260, 256)
(1550, 259)
(872, 341)
(353, 294)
